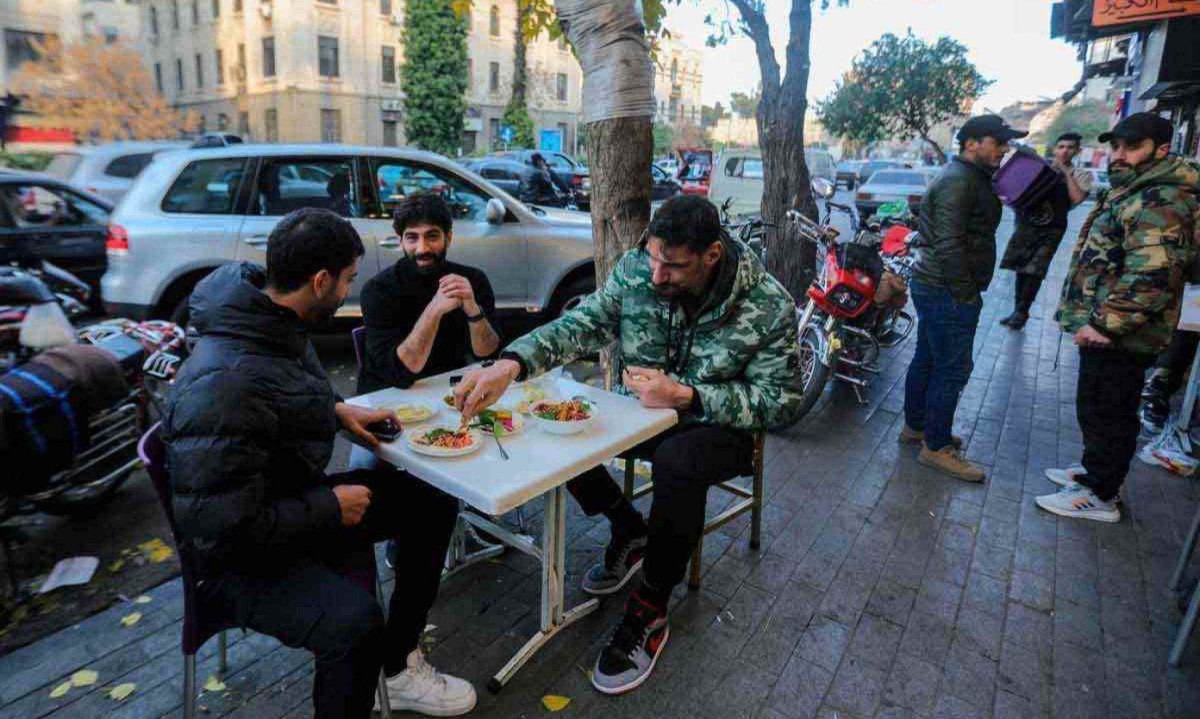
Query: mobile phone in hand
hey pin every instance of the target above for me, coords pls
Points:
(385, 430)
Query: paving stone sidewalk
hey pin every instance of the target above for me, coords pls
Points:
(881, 589)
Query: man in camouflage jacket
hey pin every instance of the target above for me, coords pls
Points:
(703, 329)
(1121, 303)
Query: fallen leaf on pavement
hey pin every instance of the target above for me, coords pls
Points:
(121, 691)
(130, 619)
(213, 684)
(142, 600)
(156, 550)
(555, 703)
(84, 678)
(60, 690)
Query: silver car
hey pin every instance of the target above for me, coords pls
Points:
(106, 170)
(193, 210)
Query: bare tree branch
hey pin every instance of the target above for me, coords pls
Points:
(760, 33)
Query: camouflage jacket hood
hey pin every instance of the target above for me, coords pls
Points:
(1132, 257)
(739, 353)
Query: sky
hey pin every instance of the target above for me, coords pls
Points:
(1008, 40)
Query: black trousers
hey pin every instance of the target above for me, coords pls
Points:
(1106, 405)
(1025, 290)
(1175, 361)
(323, 598)
(685, 462)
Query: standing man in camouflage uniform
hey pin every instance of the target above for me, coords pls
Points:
(1121, 303)
(1040, 229)
(702, 329)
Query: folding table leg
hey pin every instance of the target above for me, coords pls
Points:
(1185, 555)
(1185, 628)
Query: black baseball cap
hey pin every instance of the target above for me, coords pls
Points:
(982, 126)
(1140, 126)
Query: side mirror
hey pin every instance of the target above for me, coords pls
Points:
(823, 188)
(496, 212)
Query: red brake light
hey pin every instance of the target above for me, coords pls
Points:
(117, 242)
(863, 196)
(577, 180)
(914, 199)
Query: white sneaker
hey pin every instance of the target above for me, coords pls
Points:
(421, 688)
(1078, 502)
(1065, 477)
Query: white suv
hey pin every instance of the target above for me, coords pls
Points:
(194, 210)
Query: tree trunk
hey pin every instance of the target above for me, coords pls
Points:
(520, 46)
(619, 152)
(936, 147)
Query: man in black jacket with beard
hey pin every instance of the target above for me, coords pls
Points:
(277, 543)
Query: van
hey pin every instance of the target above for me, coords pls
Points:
(739, 175)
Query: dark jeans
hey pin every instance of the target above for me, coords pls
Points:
(1025, 289)
(685, 462)
(942, 363)
(1106, 404)
(324, 600)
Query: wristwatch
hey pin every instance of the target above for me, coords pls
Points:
(475, 318)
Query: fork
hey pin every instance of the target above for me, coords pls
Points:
(496, 429)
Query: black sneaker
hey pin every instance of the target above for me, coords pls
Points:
(1154, 414)
(622, 560)
(634, 648)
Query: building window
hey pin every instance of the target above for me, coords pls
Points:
(153, 20)
(199, 70)
(220, 67)
(493, 77)
(243, 123)
(158, 77)
(389, 133)
(174, 14)
(268, 57)
(21, 47)
(328, 2)
(222, 122)
(385, 7)
(494, 21)
(216, 8)
(271, 124)
(195, 12)
(674, 71)
(562, 132)
(237, 5)
(331, 125)
(389, 64)
(494, 131)
(560, 86)
(179, 74)
(327, 56)
(240, 74)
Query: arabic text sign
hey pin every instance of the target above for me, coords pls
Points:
(1121, 12)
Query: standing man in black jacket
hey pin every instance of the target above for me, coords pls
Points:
(958, 256)
(277, 543)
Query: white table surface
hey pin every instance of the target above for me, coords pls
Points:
(539, 462)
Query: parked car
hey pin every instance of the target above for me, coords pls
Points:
(739, 175)
(44, 218)
(217, 139)
(194, 210)
(1099, 182)
(695, 179)
(891, 185)
(870, 167)
(503, 173)
(565, 167)
(847, 173)
(106, 170)
(663, 185)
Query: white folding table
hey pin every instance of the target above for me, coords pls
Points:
(540, 464)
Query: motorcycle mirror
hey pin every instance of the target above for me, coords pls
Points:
(496, 211)
(823, 188)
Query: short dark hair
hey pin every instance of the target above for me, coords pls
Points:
(686, 220)
(422, 207)
(307, 241)
(1074, 137)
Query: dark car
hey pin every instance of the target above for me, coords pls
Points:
(563, 166)
(847, 173)
(662, 185)
(44, 219)
(503, 173)
(870, 167)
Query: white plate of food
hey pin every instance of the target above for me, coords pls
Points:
(412, 412)
(445, 441)
(568, 416)
(510, 422)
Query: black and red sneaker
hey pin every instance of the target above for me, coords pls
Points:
(634, 648)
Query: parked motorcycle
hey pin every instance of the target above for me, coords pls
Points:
(137, 362)
(750, 230)
(856, 305)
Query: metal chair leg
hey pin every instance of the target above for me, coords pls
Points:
(222, 655)
(694, 574)
(1185, 555)
(385, 705)
(189, 686)
(756, 510)
(630, 476)
(1185, 628)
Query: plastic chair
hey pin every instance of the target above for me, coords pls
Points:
(199, 626)
(359, 336)
(751, 501)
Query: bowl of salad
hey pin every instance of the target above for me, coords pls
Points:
(568, 416)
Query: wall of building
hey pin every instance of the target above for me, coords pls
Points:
(678, 81)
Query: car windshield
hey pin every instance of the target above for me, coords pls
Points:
(63, 164)
(893, 177)
(753, 169)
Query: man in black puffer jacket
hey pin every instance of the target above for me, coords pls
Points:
(250, 426)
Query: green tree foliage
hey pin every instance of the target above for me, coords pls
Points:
(711, 116)
(664, 137)
(434, 74)
(900, 88)
(1089, 118)
(516, 115)
(745, 104)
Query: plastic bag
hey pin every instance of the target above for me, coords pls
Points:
(1171, 450)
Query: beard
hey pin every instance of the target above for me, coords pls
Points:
(435, 260)
(325, 310)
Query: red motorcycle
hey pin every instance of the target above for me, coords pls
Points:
(856, 305)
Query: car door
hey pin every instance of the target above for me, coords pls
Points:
(287, 183)
(499, 250)
(45, 221)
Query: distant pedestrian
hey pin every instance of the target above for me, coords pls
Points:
(1121, 303)
(1040, 229)
(958, 256)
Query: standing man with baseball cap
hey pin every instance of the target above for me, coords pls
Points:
(1121, 303)
(958, 257)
